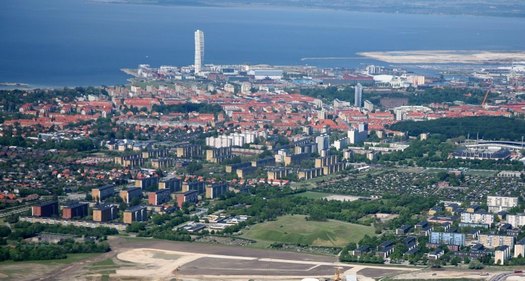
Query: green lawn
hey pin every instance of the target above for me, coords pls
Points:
(295, 229)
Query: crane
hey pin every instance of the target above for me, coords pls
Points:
(484, 102)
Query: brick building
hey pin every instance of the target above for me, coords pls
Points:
(103, 192)
(103, 213)
(136, 213)
(131, 193)
(46, 209)
(158, 197)
(190, 196)
(74, 210)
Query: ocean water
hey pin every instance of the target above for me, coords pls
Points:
(80, 42)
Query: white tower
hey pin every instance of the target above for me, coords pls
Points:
(199, 50)
(358, 95)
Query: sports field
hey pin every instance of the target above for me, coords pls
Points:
(296, 230)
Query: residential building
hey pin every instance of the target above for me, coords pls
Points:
(404, 229)
(159, 197)
(501, 254)
(477, 217)
(216, 190)
(135, 213)
(359, 134)
(323, 143)
(423, 228)
(199, 51)
(74, 210)
(435, 254)
(199, 186)
(45, 209)
(501, 203)
(519, 249)
(101, 193)
(517, 220)
(147, 183)
(190, 196)
(129, 194)
(172, 183)
(447, 238)
(105, 212)
(385, 249)
(358, 95)
(492, 241)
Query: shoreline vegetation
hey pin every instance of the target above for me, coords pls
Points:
(511, 8)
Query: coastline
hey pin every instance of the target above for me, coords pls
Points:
(447, 57)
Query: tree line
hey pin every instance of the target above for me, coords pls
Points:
(484, 127)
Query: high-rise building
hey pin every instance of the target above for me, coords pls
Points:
(199, 50)
(358, 96)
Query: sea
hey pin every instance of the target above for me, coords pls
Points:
(57, 43)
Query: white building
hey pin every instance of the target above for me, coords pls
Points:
(517, 221)
(358, 95)
(358, 135)
(501, 203)
(483, 218)
(235, 139)
(261, 74)
(341, 143)
(323, 143)
(199, 50)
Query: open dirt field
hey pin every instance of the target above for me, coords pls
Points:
(447, 274)
(193, 266)
(342, 198)
(468, 57)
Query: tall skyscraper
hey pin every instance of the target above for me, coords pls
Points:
(358, 95)
(199, 50)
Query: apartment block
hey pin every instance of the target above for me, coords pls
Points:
(73, 210)
(172, 183)
(215, 190)
(492, 241)
(45, 209)
(478, 217)
(103, 192)
(517, 221)
(198, 186)
(147, 183)
(501, 203)
(134, 214)
(131, 193)
(105, 212)
(190, 196)
(159, 197)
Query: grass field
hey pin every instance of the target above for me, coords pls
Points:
(18, 270)
(297, 230)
